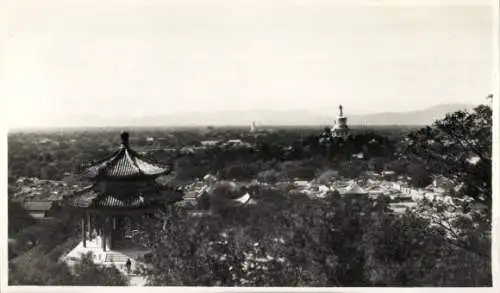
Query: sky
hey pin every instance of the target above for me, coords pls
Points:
(110, 58)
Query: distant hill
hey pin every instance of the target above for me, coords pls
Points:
(298, 117)
(420, 117)
(265, 117)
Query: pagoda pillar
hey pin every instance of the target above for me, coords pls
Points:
(99, 225)
(89, 226)
(112, 223)
(103, 233)
(84, 233)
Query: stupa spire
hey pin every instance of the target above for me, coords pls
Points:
(340, 129)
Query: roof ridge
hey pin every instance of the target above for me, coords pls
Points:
(113, 160)
(132, 159)
(97, 164)
(146, 159)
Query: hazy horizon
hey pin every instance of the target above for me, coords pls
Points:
(119, 59)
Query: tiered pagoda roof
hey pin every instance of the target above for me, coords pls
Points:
(125, 163)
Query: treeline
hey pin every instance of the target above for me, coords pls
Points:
(291, 240)
(52, 155)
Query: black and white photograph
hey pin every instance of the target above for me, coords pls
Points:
(238, 143)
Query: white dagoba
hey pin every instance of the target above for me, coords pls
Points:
(340, 128)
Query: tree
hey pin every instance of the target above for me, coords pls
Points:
(420, 176)
(38, 269)
(407, 250)
(337, 241)
(19, 218)
(87, 273)
(459, 147)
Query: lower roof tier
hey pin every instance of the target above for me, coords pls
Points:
(92, 199)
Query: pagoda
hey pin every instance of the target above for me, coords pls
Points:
(123, 191)
(340, 129)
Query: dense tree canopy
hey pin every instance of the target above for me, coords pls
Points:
(41, 270)
(459, 147)
(303, 242)
(287, 238)
(18, 218)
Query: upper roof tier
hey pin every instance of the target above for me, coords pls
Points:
(125, 163)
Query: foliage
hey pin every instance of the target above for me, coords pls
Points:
(39, 269)
(448, 145)
(419, 176)
(423, 255)
(87, 273)
(18, 218)
(303, 242)
(238, 172)
(270, 176)
(51, 155)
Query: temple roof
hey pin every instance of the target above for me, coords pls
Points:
(125, 163)
(244, 199)
(92, 199)
(354, 188)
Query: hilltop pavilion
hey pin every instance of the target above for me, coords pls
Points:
(123, 191)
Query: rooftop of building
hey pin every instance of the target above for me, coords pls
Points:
(126, 163)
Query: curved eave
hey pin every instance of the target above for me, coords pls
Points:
(126, 164)
(91, 198)
(113, 203)
(138, 177)
(100, 163)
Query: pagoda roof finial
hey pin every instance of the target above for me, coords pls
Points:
(340, 111)
(125, 137)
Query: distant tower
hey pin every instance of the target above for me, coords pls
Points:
(340, 129)
(252, 127)
(490, 99)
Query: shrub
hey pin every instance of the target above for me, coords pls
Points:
(327, 176)
(270, 176)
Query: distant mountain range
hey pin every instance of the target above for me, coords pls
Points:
(419, 117)
(267, 117)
